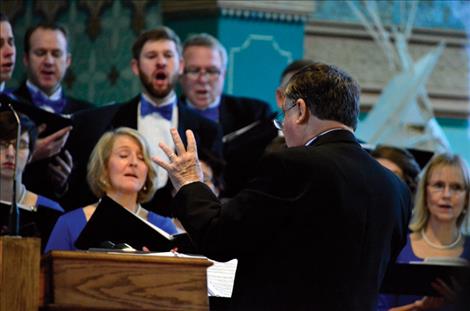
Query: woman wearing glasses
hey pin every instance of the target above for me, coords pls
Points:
(439, 222)
(38, 214)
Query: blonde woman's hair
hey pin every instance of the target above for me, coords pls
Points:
(97, 174)
(421, 212)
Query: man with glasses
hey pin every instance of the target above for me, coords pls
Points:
(318, 226)
(202, 83)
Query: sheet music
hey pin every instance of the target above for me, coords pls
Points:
(220, 278)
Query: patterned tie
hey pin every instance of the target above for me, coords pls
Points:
(147, 108)
(40, 100)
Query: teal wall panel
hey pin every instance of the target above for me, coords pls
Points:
(258, 51)
(458, 134)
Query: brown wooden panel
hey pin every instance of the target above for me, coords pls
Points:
(120, 281)
(19, 273)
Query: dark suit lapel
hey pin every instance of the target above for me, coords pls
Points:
(23, 93)
(127, 114)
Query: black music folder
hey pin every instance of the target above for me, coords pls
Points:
(113, 222)
(40, 116)
(33, 222)
(416, 278)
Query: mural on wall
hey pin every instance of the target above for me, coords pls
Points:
(403, 115)
(101, 34)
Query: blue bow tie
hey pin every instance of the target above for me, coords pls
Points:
(40, 100)
(211, 113)
(147, 108)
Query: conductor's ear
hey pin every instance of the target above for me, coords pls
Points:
(303, 113)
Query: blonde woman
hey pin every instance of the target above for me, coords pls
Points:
(120, 168)
(439, 223)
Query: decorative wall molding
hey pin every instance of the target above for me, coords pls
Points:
(94, 8)
(138, 11)
(245, 46)
(50, 10)
(349, 46)
(285, 11)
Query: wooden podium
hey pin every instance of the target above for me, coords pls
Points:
(19, 273)
(110, 281)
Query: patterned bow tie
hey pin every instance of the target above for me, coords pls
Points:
(211, 113)
(147, 108)
(40, 100)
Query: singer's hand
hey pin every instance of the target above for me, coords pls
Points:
(50, 145)
(59, 171)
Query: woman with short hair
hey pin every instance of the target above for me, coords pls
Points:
(121, 169)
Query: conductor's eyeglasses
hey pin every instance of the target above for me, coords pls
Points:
(280, 124)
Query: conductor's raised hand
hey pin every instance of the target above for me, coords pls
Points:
(183, 167)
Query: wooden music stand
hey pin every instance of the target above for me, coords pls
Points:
(82, 280)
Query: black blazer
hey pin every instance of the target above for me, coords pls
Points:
(35, 174)
(237, 112)
(314, 231)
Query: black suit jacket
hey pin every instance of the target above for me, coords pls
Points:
(314, 231)
(35, 174)
(237, 112)
(243, 153)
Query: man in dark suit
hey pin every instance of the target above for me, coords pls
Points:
(202, 83)
(156, 60)
(317, 227)
(46, 58)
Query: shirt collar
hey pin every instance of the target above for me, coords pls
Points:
(167, 100)
(215, 104)
(55, 96)
(311, 140)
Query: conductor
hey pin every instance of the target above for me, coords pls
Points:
(317, 227)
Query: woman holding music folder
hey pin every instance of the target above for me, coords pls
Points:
(119, 168)
(440, 219)
(37, 214)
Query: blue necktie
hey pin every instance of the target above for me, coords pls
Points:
(147, 108)
(40, 100)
